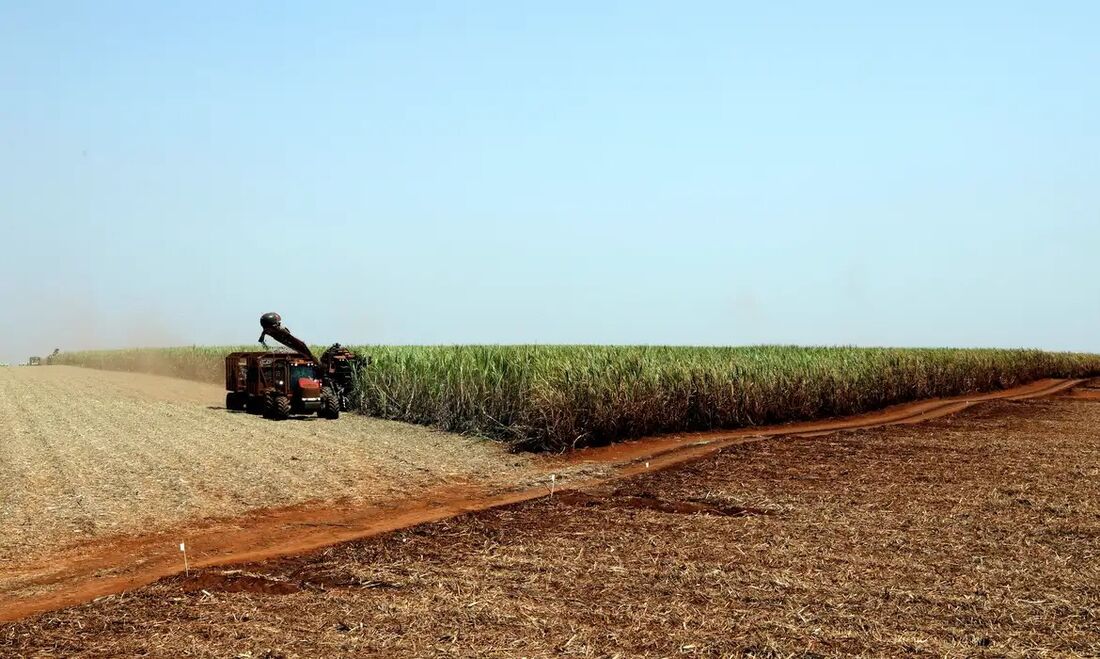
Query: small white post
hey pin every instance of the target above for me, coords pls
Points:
(553, 478)
(186, 567)
(647, 465)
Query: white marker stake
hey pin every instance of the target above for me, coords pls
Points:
(553, 477)
(186, 568)
(647, 465)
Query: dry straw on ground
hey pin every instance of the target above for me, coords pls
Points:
(86, 454)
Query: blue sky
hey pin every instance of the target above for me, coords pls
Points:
(614, 172)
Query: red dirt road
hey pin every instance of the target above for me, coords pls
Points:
(110, 566)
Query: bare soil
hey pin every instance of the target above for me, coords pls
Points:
(977, 533)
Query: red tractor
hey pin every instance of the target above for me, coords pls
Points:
(278, 385)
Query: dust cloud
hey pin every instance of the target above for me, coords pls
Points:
(37, 324)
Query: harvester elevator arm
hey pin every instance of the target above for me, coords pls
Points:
(272, 325)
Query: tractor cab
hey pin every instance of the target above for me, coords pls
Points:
(278, 385)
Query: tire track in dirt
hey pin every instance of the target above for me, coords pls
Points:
(109, 566)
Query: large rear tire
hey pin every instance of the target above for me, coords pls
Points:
(330, 404)
(282, 408)
(236, 400)
(277, 407)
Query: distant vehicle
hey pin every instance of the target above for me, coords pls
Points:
(34, 361)
(277, 385)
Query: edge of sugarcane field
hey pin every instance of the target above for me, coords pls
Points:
(560, 397)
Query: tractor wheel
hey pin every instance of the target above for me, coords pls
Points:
(235, 400)
(276, 407)
(282, 407)
(330, 404)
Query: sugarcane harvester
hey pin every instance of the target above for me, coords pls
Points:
(339, 365)
(281, 384)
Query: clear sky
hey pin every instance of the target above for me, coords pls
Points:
(859, 173)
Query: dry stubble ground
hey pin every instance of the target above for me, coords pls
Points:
(86, 453)
(973, 534)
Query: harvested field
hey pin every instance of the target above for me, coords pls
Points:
(86, 454)
(975, 533)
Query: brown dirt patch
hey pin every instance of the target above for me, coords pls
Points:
(651, 502)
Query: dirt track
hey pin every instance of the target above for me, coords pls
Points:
(379, 489)
(972, 534)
